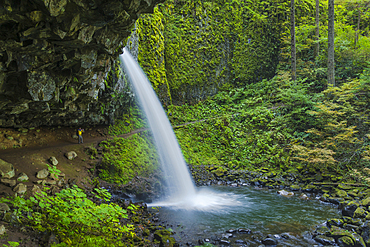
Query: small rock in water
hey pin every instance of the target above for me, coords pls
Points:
(303, 196)
(231, 231)
(239, 241)
(234, 185)
(285, 193)
(243, 230)
(269, 241)
(285, 235)
(224, 241)
(227, 235)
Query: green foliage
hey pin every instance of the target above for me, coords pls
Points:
(11, 244)
(249, 127)
(125, 158)
(75, 219)
(128, 122)
(54, 171)
(339, 140)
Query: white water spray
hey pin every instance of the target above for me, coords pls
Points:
(171, 158)
(182, 192)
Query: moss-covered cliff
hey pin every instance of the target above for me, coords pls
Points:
(55, 56)
(191, 49)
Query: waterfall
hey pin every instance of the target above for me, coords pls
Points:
(177, 176)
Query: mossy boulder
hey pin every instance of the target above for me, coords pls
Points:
(295, 187)
(164, 238)
(341, 193)
(309, 188)
(350, 208)
(337, 232)
(325, 240)
(366, 202)
(344, 187)
(219, 171)
(346, 242)
(360, 213)
(322, 230)
(335, 222)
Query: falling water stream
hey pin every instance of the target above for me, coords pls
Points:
(215, 208)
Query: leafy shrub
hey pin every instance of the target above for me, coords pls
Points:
(125, 158)
(75, 219)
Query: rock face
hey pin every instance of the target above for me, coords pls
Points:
(55, 56)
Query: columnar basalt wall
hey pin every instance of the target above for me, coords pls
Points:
(55, 56)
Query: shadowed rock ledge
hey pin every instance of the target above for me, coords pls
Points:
(55, 56)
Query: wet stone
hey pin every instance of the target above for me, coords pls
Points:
(227, 235)
(231, 231)
(322, 230)
(243, 230)
(325, 240)
(270, 241)
(225, 241)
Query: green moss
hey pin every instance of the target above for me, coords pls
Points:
(125, 158)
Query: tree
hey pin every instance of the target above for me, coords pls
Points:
(292, 40)
(317, 29)
(360, 13)
(331, 65)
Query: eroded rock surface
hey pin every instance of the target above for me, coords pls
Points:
(55, 56)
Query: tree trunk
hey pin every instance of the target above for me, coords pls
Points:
(358, 25)
(292, 40)
(331, 65)
(317, 30)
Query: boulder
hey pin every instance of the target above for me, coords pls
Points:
(2, 230)
(285, 193)
(6, 169)
(270, 241)
(44, 173)
(22, 177)
(335, 222)
(341, 193)
(53, 161)
(8, 182)
(71, 155)
(366, 202)
(322, 230)
(304, 196)
(346, 242)
(350, 208)
(359, 213)
(4, 208)
(20, 189)
(163, 236)
(36, 190)
(324, 240)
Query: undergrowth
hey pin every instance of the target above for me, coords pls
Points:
(125, 158)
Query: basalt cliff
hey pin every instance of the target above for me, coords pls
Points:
(55, 56)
